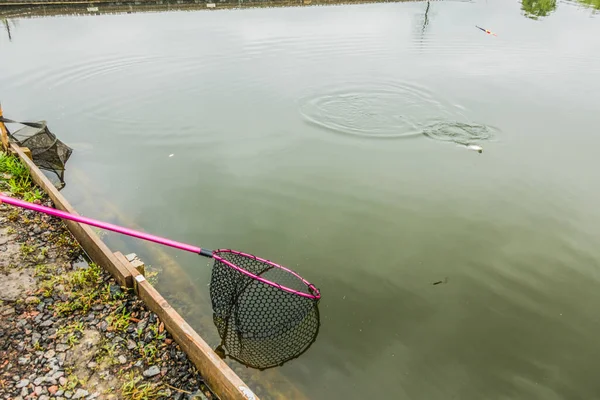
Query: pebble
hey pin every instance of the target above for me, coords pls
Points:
(47, 323)
(8, 311)
(62, 380)
(152, 371)
(80, 393)
(23, 361)
(50, 354)
(22, 383)
(122, 359)
(62, 347)
(53, 389)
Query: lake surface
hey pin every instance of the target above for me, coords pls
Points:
(332, 140)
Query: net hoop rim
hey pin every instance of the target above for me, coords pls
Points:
(309, 285)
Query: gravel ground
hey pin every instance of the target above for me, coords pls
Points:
(68, 331)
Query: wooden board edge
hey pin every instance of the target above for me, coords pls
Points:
(215, 372)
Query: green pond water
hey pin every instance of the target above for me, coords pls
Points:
(334, 140)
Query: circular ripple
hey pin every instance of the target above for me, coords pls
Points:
(459, 132)
(392, 111)
(383, 110)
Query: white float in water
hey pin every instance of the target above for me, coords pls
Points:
(475, 147)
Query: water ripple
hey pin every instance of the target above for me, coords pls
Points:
(392, 110)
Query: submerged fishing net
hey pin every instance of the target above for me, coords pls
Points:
(47, 151)
(262, 324)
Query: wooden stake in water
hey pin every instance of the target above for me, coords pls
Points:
(3, 132)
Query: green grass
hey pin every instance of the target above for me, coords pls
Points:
(16, 177)
(132, 389)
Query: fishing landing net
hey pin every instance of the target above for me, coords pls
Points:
(47, 151)
(265, 314)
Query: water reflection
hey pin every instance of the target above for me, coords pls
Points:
(535, 9)
(6, 22)
(595, 4)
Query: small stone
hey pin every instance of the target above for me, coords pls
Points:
(142, 325)
(8, 311)
(23, 361)
(22, 383)
(62, 381)
(92, 365)
(62, 347)
(24, 392)
(47, 323)
(35, 337)
(122, 359)
(38, 381)
(38, 390)
(59, 393)
(68, 394)
(58, 374)
(53, 389)
(44, 397)
(102, 326)
(50, 354)
(131, 344)
(80, 393)
(115, 291)
(152, 371)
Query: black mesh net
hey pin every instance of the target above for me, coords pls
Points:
(260, 325)
(47, 152)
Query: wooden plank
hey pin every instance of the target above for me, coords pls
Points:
(215, 372)
(3, 133)
(87, 238)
